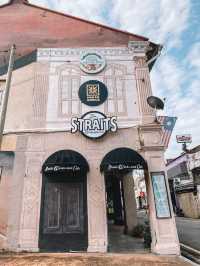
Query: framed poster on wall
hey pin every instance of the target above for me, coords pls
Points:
(160, 195)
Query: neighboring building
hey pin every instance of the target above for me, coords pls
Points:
(194, 167)
(183, 174)
(77, 124)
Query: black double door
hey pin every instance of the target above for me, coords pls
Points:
(63, 225)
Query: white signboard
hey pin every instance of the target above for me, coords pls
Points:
(59, 168)
(92, 63)
(94, 124)
(187, 138)
(160, 195)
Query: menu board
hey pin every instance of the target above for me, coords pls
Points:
(160, 195)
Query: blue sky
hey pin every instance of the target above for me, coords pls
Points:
(173, 23)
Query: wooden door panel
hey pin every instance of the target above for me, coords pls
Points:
(52, 209)
(73, 209)
(64, 216)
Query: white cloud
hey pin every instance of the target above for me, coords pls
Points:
(90, 10)
(161, 20)
(193, 57)
(3, 2)
(167, 78)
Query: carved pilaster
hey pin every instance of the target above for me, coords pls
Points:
(40, 94)
(29, 225)
(144, 90)
(97, 222)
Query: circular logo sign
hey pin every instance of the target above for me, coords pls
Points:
(92, 63)
(93, 93)
(94, 124)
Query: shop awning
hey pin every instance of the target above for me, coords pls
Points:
(65, 161)
(122, 160)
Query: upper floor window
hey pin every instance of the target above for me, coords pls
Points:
(69, 83)
(115, 81)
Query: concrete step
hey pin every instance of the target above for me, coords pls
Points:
(90, 259)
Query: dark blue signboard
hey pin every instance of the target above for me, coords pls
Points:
(93, 93)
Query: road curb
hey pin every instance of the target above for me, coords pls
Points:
(190, 253)
(189, 249)
(187, 219)
(189, 261)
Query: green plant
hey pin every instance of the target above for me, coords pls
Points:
(138, 231)
(147, 235)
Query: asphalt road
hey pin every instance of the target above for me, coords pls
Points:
(189, 231)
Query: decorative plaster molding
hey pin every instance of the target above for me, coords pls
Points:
(140, 61)
(60, 52)
(138, 46)
(68, 54)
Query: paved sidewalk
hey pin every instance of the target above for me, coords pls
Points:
(88, 259)
(121, 243)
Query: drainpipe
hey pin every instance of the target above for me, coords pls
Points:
(6, 92)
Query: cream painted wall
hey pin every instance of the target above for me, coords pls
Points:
(36, 129)
(35, 95)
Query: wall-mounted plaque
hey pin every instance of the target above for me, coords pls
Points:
(94, 124)
(160, 195)
(92, 63)
(93, 93)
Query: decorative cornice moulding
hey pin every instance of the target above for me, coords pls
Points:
(74, 54)
(138, 46)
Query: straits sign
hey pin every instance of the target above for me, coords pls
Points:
(94, 124)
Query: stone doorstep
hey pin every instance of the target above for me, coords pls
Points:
(90, 259)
